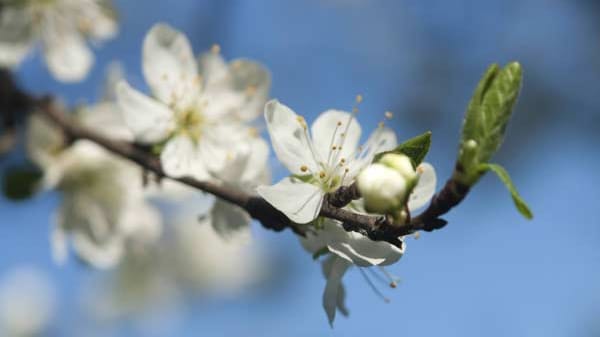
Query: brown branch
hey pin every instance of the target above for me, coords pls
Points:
(378, 228)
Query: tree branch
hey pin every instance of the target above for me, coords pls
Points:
(379, 228)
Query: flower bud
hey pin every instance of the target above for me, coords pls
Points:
(383, 188)
(402, 165)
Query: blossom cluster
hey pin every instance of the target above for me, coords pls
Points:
(202, 119)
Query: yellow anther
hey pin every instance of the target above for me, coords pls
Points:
(303, 168)
(342, 160)
(381, 125)
(339, 123)
(215, 49)
(321, 174)
(389, 115)
(420, 169)
(359, 98)
(302, 121)
(334, 148)
(393, 284)
(340, 148)
(346, 170)
(417, 235)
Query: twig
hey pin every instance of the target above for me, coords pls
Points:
(378, 228)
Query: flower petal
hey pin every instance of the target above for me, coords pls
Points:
(180, 158)
(334, 274)
(149, 120)
(228, 219)
(169, 65)
(335, 128)
(381, 140)
(68, 57)
(15, 36)
(301, 202)
(289, 138)
(425, 188)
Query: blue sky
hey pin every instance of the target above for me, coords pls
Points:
(490, 272)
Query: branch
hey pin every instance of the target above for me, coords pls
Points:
(379, 228)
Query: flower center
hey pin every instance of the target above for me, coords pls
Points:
(190, 121)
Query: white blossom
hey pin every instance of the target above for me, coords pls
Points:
(199, 114)
(27, 302)
(319, 164)
(103, 210)
(61, 28)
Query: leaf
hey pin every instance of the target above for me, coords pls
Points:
(505, 178)
(21, 182)
(415, 148)
(487, 116)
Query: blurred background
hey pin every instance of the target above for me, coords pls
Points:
(488, 273)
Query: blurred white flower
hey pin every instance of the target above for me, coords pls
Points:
(321, 164)
(27, 302)
(198, 115)
(191, 261)
(61, 27)
(103, 208)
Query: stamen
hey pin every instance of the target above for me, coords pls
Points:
(391, 278)
(302, 121)
(303, 168)
(215, 49)
(359, 98)
(389, 115)
(370, 283)
(322, 174)
(417, 235)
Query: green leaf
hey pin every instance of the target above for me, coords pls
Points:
(20, 183)
(487, 116)
(415, 148)
(505, 178)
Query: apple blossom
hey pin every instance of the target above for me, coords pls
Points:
(61, 27)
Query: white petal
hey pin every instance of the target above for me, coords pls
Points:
(228, 219)
(257, 163)
(334, 282)
(299, 201)
(289, 138)
(180, 158)
(58, 242)
(335, 128)
(365, 252)
(15, 36)
(68, 57)
(214, 71)
(425, 188)
(247, 80)
(381, 140)
(102, 255)
(11, 54)
(149, 120)
(253, 79)
(169, 65)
